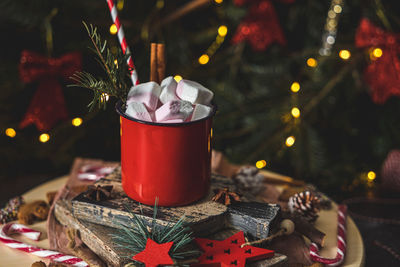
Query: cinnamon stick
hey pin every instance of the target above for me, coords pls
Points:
(160, 62)
(153, 63)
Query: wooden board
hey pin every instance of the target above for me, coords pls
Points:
(355, 253)
(203, 217)
(98, 239)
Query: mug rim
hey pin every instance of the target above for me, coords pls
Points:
(119, 104)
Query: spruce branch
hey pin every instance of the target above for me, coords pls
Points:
(117, 72)
(135, 238)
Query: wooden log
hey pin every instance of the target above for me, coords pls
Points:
(98, 239)
(204, 217)
(254, 218)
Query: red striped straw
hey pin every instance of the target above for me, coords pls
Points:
(122, 40)
(341, 242)
(12, 228)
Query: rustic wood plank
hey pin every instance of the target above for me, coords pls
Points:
(254, 218)
(204, 217)
(98, 239)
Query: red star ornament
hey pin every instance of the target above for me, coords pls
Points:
(155, 254)
(228, 253)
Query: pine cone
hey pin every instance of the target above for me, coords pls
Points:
(248, 179)
(306, 204)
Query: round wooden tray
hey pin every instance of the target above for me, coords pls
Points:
(327, 223)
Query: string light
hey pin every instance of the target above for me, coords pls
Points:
(219, 39)
(218, 1)
(331, 14)
(295, 87)
(115, 62)
(113, 29)
(44, 137)
(290, 141)
(330, 40)
(261, 164)
(371, 175)
(222, 30)
(104, 97)
(312, 62)
(203, 59)
(344, 54)
(160, 4)
(77, 122)
(120, 4)
(337, 9)
(178, 78)
(10, 132)
(295, 112)
(332, 20)
(376, 53)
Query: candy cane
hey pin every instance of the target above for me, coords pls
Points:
(94, 173)
(11, 228)
(122, 40)
(341, 245)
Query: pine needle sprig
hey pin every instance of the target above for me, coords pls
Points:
(117, 72)
(135, 238)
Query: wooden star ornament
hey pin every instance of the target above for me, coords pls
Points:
(155, 254)
(229, 253)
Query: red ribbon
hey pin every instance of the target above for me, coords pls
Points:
(261, 26)
(383, 73)
(48, 105)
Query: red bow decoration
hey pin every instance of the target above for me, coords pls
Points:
(383, 73)
(48, 105)
(261, 26)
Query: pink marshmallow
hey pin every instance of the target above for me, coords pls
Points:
(194, 92)
(138, 111)
(168, 89)
(146, 93)
(173, 110)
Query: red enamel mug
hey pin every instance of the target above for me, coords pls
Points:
(168, 161)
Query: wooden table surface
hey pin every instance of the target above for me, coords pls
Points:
(327, 223)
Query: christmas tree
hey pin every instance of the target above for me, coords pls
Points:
(304, 88)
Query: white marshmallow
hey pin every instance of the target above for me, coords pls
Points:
(194, 92)
(200, 111)
(138, 111)
(146, 93)
(173, 110)
(168, 89)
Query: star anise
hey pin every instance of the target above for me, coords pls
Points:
(224, 196)
(98, 192)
